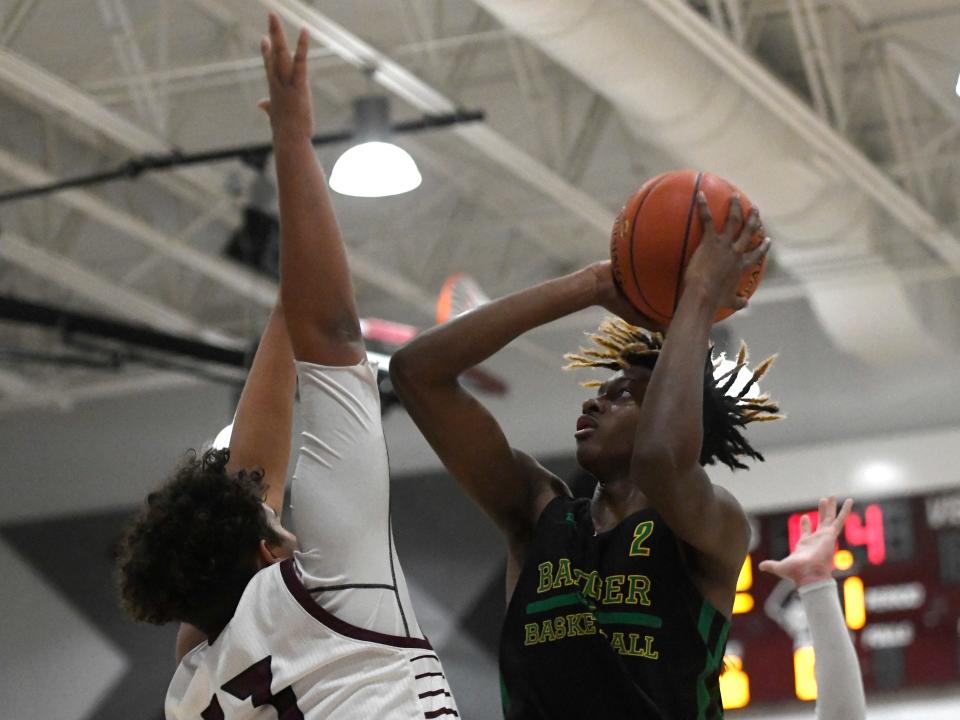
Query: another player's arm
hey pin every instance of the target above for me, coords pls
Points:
(263, 422)
(666, 461)
(509, 486)
(810, 565)
(315, 283)
(261, 430)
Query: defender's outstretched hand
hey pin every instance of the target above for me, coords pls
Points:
(812, 558)
(289, 106)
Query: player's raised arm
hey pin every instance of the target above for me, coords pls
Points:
(264, 418)
(511, 487)
(810, 565)
(315, 283)
(669, 439)
(260, 439)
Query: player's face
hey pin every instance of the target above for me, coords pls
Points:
(288, 541)
(607, 429)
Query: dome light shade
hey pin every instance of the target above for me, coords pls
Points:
(375, 169)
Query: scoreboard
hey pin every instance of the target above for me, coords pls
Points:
(898, 571)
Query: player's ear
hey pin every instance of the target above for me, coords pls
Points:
(266, 555)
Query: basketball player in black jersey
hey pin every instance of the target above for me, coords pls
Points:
(618, 606)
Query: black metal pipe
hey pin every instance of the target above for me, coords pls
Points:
(254, 154)
(69, 322)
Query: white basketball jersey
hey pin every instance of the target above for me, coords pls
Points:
(284, 657)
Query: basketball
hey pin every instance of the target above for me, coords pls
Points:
(657, 232)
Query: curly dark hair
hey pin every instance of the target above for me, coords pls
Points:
(620, 345)
(190, 552)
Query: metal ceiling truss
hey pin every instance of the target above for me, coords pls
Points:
(198, 185)
(93, 287)
(894, 71)
(426, 98)
(821, 69)
(129, 56)
(149, 92)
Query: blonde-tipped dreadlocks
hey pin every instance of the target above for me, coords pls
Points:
(619, 345)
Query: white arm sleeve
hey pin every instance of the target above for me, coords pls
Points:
(340, 498)
(839, 684)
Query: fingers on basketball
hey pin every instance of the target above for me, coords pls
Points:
(706, 217)
(747, 231)
(756, 255)
(734, 218)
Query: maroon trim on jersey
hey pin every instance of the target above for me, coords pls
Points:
(292, 580)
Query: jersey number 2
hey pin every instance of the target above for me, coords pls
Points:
(642, 532)
(254, 683)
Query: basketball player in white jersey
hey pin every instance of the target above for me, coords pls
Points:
(277, 626)
(810, 567)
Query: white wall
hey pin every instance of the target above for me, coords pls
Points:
(106, 454)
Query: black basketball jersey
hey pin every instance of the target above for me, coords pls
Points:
(609, 625)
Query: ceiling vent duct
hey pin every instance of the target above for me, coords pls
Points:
(682, 85)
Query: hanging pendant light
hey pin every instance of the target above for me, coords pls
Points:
(374, 167)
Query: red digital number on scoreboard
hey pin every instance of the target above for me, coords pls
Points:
(867, 533)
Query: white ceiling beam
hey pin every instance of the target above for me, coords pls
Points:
(217, 11)
(127, 51)
(901, 56)
(15, 19)
(64, 399)
(807, 56)
(121, 301)
(15, 386)
(242, 281)
(779, 100)
(737, 25)
(203, 75)
(224, 73)
(245, 282)
(859, 10)
(424, 97)
(715, 13)
(195, 185)
(821, 50)
(59, 95)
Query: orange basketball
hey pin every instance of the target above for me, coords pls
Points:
(657, 232)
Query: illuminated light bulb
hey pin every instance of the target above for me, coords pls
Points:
(745, 579)
(222, 440)
(843, 560)
(854, 608)
(375, 169)
(879, 475)
(734, 684)
(742, 603)
(804, 678)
